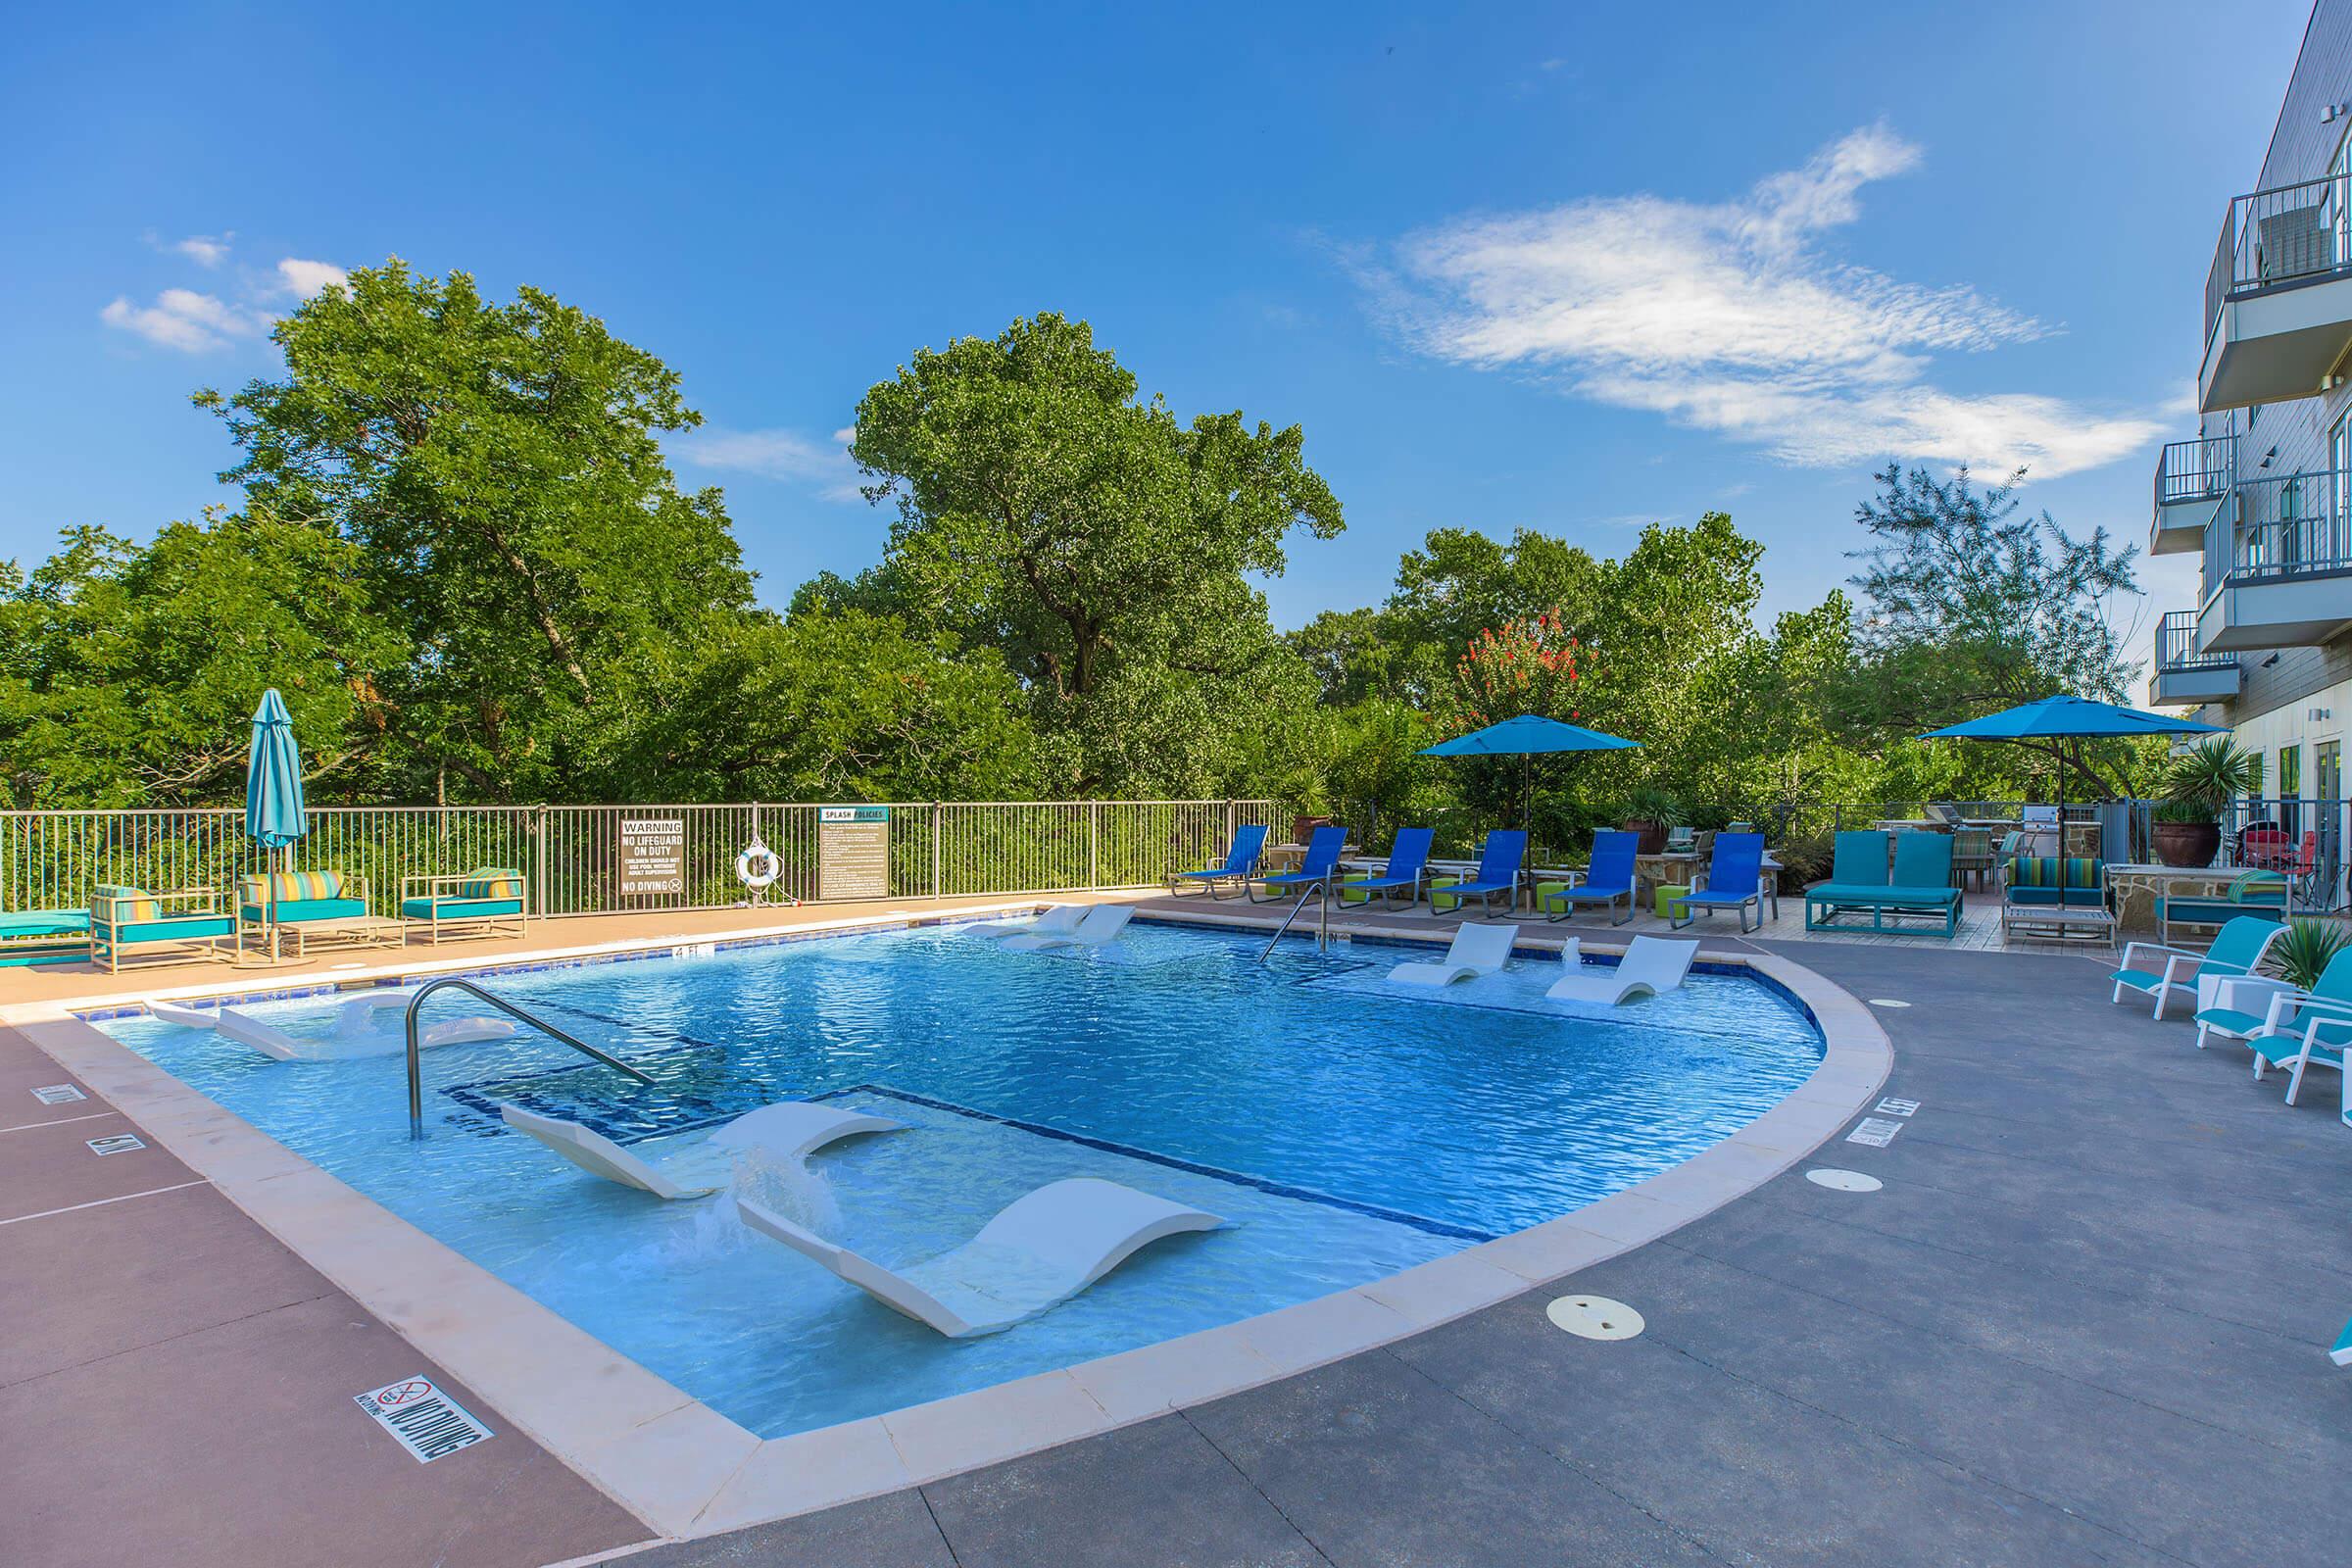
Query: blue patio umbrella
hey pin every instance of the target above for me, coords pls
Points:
(273, 815)
(2067, 718)
(1524, 737)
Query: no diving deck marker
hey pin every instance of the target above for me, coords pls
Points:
(1843, 1181)
(1593, 1317)
(1876, 1131)
(57, 1095)
(119, 1144)
(1897, 1107)
(1888, 1002)
(425, 1421)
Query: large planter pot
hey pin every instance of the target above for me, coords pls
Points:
(2187, 844)
(1652, 835)
(1302, 827)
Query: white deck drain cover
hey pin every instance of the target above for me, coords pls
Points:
(428, 1423)
(1593, 1317)
(1843, 1181)
(1888, 1002)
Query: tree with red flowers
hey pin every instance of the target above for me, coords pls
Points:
(1523, 666)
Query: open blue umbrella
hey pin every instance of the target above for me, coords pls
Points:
(273, 815)
(2067, 718)
(1524, 737)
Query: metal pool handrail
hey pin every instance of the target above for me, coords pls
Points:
(1323, 926)
(415, 1077)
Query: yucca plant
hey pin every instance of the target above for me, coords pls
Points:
(2213, 773)
(2302, 953)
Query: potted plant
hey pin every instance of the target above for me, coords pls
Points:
(1648, 812)
(2198, 788)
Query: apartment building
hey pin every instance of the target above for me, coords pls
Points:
(2264, 490)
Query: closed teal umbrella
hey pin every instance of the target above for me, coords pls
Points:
(273, 815)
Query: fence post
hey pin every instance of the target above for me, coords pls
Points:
(1093, 843)
(538, 860)
(939, 817)
(1232, 822)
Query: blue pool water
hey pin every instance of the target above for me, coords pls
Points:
(1349, 1128)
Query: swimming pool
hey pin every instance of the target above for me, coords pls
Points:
(1346, 1128)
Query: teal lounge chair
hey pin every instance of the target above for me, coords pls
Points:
(1240, 860)
(2237, 949)
(2320, 1033)
(1734, 881)
(123, 921)
(1607, 880)
(43, 936)
(1321, 859)
(487, 902)
(1408, 863)
(1497, 872)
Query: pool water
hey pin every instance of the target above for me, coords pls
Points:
(1349, 1128)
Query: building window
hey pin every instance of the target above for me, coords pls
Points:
(2327, 771)
(2291, 785)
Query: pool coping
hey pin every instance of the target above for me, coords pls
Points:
(687, 1471)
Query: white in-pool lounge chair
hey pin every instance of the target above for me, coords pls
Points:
(791, 1129)
(372, 1025)
(279, 1046)
(1478, 950)
(1038, 1252)
(1057, 919)
(1651, 965)
(1102, 923)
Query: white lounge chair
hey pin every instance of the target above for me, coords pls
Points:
(1038, 1252)
(1651, 966)
(279, 1046)
(1053, 920)
(1101, 924)
(791, 1129)
(244, 1030)
(1478, 949)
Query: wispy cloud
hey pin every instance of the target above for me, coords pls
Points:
(205, 250)
(184, 320)
(822, 463)
(302, 279)
(1728, 317)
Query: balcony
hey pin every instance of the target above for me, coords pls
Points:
(2183, 676)
(2279, 299)
(2192, 478)
(2278, 573)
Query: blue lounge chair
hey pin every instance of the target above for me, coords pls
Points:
(1734, 881)
(1497, 872)
(2237, 949)
(1322, 859)
(1609, 879)
(2320, 1033)
(1240, 860)
(1408, 859)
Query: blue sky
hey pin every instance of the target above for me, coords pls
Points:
(1556, 266)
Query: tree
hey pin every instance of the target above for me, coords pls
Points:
(497, 469)
(1103, 546)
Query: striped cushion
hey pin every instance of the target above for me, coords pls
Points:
(493, 882)
(2042, 870)
(287, 887)
(132, 906)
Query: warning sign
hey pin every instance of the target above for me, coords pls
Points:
(425, 1421)
(853, 851)
(653, 856)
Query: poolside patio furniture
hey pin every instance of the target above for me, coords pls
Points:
(1318, 864)
(480, 904)
(1918, 886)
(129, 925)
(43, 936)
(275, 905)
(1608, 881)
(1038, 1252)
(1408, 863)
(1497, 872)
(789, 1131)
(2250, 892)
(1735, 880)
(1052, 920)
(1972, 853)
(2321, 1033)
(2237, 949)
(2342, 1354)
(1681, 841)
(1100, 925)
(1477, 949)
(2056, 898)
(1239, 865)
(1651, 966)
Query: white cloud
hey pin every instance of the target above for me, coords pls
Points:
(302, 279)
(205, 250)
(1728, 317)
(184, 320)
(776, 454)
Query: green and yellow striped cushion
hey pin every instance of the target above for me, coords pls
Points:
(2042, 871)
(289, 886)
(131, 906)
(494, 882)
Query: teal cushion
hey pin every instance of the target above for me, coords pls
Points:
(1892, 898)
(457, 909)
(178, 930)
(2080, 897)
(2278, 1048)
(293, 911)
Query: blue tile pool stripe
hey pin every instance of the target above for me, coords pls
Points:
(1304, 1195)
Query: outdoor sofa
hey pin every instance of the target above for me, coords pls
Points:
(2257, 893)
(2055, 896)
(1919, 887)
(272, 904)
(128, 924)
(487, 902)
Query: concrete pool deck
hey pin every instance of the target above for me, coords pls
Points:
(1504, 1440)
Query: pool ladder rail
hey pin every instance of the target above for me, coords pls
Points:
(416, 1074)
(1322, 920)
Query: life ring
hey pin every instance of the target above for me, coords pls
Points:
(759, 866)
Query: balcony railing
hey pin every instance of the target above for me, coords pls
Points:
(2176, 644)
(2195, 470)
(2292, 526)
(2289, 234)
